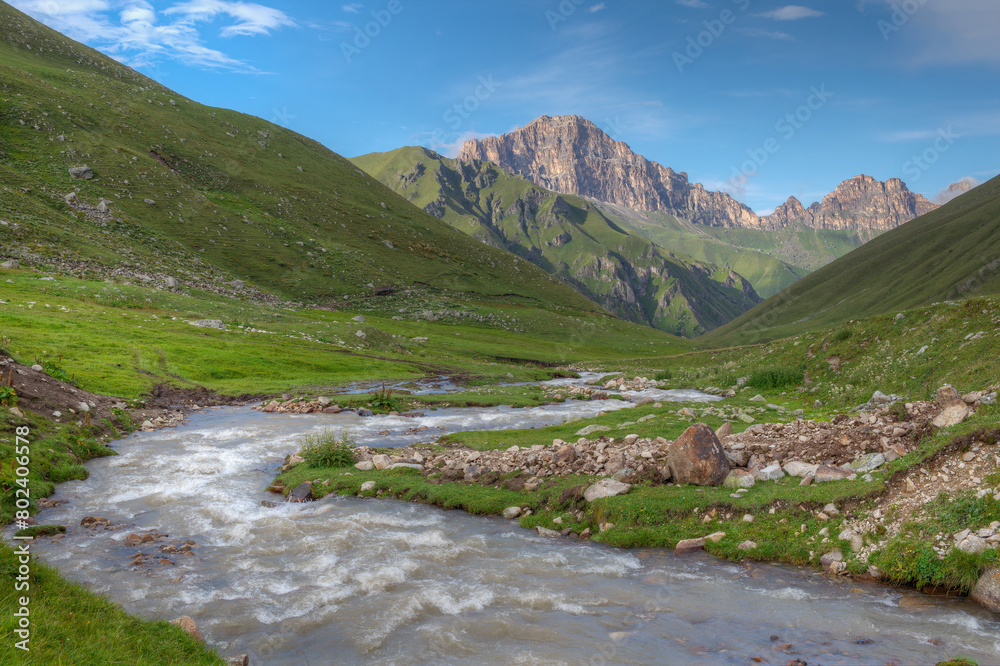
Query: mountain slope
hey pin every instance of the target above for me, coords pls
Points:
(570, 238)
(950, 253)
(570, 154)
(209, 196)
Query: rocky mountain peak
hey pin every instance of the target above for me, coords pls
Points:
(571, 154)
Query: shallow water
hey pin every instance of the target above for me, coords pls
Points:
(348, 580)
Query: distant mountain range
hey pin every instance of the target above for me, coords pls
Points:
(571, 238)
(570, 154)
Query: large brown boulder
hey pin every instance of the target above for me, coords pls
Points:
(986, 593)
(697, 457)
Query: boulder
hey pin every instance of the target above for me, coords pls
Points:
(546, 532)
(772, 472)
(398, 465)
(685, 546)
(832, 561)
(739, 478)
(725, 430)
(868, 462)
(564, 454)
(360, 318)
(799, 468)
(583, 432)
(81, 172)
(209, 323)
(947, 396)
(365, 466)
(825, 473)
(367, 485)
(697, 457)
(952, 415)
(736, 458)
(986, 593)
(973, 545)
(301, 493)
(605, 488)
(189, 627)
(849, 535)
(512, 512)
(381, 461)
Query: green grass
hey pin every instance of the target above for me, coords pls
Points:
(71, 625)
(947, 254)
(325, 449)
(775, 378)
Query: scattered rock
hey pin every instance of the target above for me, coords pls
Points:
(81, 172)
(365, 466)
(799, 468)
(605, 488)
(771, 473)
(973, 545)
(546, 532)
(301, 493)
(367, 485)
(685, 546)
(94, 521)
(739, 478)
(832, 561)
(825, 473)
(209, 323)
(583, 432)
(747, 545)
(188, 625)
(512, 512)
(725, 430)
(868, 462)
(948, 396)
(952, 415)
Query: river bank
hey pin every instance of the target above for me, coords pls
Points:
(905, 493)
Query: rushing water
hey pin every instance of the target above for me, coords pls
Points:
(347, 580)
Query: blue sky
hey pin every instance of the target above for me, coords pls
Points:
(761, 99)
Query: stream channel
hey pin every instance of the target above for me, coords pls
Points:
(346, 580)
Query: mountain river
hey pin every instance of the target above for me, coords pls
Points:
(363, 581)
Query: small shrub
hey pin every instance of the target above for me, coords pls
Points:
(383, 401)
(777, 377)
(842, 335)
(662, 375)
(8, 396)
(323, 449)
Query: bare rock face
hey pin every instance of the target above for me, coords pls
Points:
(859, 203)
(570, 154)
(697, 457)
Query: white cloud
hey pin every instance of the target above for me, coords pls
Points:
(695, 4)
(956, 190)
(596, 8)
(767, 34)
(136, 37)
(353, 8)
(946, 33)
(251, 19)
(791, 13)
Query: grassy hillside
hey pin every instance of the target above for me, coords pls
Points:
(209, 196)
(950, 253)
(770, 260)
(568, 237)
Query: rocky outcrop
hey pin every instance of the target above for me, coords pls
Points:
(572, 155)
(859, 203)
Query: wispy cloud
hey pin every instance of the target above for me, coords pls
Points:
(352, 8)
(767, 34)
(695, 4)
(791, 13)
(956, 190)
(956, 32)
(139, 36)
(596, 8)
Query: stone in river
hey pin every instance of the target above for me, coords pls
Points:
(986, 593)
(546, 532)
(188, 625)
(689, 546)
(302, 493)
